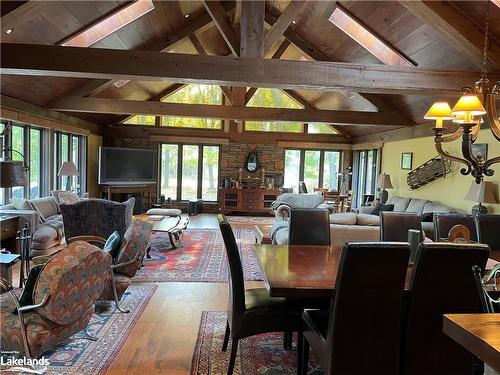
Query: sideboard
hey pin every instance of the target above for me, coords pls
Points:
(247, 200)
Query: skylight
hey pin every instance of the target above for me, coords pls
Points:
(366, 39)
(109, 25)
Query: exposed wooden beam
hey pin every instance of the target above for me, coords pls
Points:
(153, 133)
(55, 61)
(94, 86)
(277, 55)
(201, 51)
(456, 28)
(114, 106)
(281, 24)
(252, 28)
(218, 14)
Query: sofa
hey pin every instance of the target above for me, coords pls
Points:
(361, 224)
(43, 215)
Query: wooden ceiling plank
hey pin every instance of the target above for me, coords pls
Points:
(252, 28)
(121, 107)
(25, 11)
(56, 61)
(202, 52)
(456, 28)
(281, 24)
(218, 14)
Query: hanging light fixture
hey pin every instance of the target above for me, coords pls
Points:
(476, 101)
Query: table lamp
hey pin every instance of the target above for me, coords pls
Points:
(484, 192)
(384, 182)
(68, 168)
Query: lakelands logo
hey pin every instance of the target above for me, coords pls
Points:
(29, 365)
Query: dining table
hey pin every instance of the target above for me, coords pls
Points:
(309, 271)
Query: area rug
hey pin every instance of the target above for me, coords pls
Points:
(201, 257)
(250, 220)
(260, 354)
(79, 356)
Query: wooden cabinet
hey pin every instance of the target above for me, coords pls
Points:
(247, 200)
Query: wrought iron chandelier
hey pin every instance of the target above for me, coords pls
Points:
(468, 112)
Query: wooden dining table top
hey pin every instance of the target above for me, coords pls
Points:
(478, 333)
(305, 271)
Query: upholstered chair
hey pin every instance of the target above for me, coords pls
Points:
(394, 226)
(442, 283)
(60, 302)
(96, 217)
(361, 332)
(129, 259)
(309, 226)
(443, 222)
(488, 227)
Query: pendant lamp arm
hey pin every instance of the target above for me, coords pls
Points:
(493, 115)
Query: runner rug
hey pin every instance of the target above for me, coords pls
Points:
(259, 354)
(78, 356)
(201, 257)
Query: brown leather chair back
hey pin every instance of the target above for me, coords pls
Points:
(394, 226)
(443, 222)
(488, 228)
(236, 305)
(365, 317)
(309, 226)
(442, 283)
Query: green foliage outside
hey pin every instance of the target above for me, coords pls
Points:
(140, 120)
(321, 128)
(273, 98)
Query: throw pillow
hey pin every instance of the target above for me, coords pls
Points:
(68, 197)
(368, 219)
(112, 245)
(428, 217)
(382, 207)
(22, 204)
(344, 218)
(55, 194)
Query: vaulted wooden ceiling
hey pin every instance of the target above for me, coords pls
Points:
(430, 35)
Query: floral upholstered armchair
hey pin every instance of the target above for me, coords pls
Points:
(56, 304)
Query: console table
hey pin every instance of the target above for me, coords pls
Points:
(247, 200)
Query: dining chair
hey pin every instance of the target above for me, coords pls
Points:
(252, 311)
(488, 226)
(489, 305)
(309, 226)
(444, 222)
(360, 334)
(441, 283)
(394, 226)
(302, 187)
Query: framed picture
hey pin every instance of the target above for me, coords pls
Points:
(406, 160)
(480, 148)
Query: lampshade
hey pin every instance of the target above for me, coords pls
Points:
(460, 119)
(12, 173)
(468, 105)
(439, 110)
(384, 181)
(68, 168)
(484, 192)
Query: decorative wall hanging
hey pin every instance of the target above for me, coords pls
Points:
(427, 172)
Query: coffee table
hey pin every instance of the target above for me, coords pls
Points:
(262, 233)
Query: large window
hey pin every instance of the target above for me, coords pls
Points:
(69, 147)
(317, 168)
(189, 171)
(364, 174)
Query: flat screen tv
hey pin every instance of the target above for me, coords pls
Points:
(127, 166)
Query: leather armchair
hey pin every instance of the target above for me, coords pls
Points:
(62, 300)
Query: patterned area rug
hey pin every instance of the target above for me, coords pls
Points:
(260, 354)
(79, 356)
(250, 220)
(201, 257)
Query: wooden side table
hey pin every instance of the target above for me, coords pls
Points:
(9, 225)
(6, 263)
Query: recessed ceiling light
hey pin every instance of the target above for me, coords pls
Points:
(294, 22)
(186, 16)
(8, 31)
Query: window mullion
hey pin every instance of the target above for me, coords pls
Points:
(200, 171)
(179, 172)
(321, 168)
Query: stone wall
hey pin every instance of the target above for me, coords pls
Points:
(233, 156)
